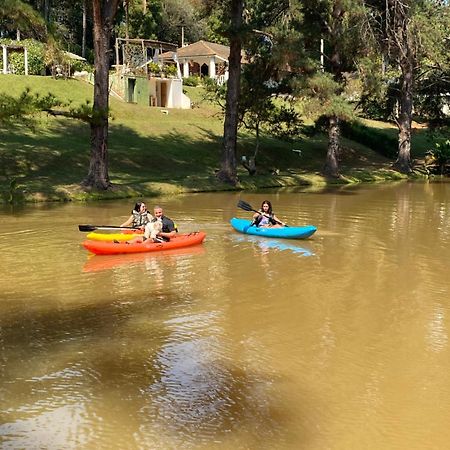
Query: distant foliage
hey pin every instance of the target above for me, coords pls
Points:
(141, 24)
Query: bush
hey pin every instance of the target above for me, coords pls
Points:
(78, 66)
(376, 140)
(170, 70)
(439, 155)
(191, 81)
(154, 67)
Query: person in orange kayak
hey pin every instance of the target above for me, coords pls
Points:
(266, 218)
(139, 217)
(160, 228)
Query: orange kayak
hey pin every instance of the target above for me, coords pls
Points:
(114, 248)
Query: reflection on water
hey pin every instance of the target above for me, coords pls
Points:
(268, 244)
(241, 342)
(102, 262)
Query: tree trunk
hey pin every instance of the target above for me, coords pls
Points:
(258, 140)
(83, 38)
(403, 162)
(251, 166)
(331, 166)
(400, 46)
(46, 10)
(103, 15)
(127, 18)
(331, 162)
(228, 172)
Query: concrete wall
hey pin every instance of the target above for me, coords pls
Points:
(158, 92)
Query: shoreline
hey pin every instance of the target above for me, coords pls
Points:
(21, 193)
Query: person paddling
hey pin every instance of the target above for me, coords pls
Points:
(139, 216)
(266, 218)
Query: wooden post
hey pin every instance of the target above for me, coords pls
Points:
(5, 59)
(25, 57)
(144, 57)
(321, 55)
(117, 55)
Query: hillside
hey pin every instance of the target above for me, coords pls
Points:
(153, 152)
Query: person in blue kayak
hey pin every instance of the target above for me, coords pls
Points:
(266, 218)
(139, 217)
(160, 228)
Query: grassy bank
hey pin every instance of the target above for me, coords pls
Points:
(153, 153)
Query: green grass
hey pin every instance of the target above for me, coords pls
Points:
(149, 152)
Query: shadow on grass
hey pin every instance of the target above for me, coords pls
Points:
(51, 163)
(42, 161)
(54, 158)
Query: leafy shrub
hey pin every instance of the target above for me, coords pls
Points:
(191, 81)
(154, 67)
(170, 70)
(79, 66)
(440, 154)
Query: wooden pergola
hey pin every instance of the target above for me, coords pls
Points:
(13, 47)
(135, 54)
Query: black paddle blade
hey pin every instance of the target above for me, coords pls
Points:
(245, 206)
(87, 227)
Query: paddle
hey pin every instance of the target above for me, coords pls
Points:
(247, 207)
(103, 227)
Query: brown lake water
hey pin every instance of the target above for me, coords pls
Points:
(340, 341)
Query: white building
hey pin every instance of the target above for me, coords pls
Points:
(201, 58)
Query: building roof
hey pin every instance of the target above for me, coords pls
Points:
(74, 56)
(204, 48)
(200, 48)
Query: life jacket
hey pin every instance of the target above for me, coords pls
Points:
(264, 220)
(139, 219)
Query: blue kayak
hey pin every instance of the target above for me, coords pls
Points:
(243, 226)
